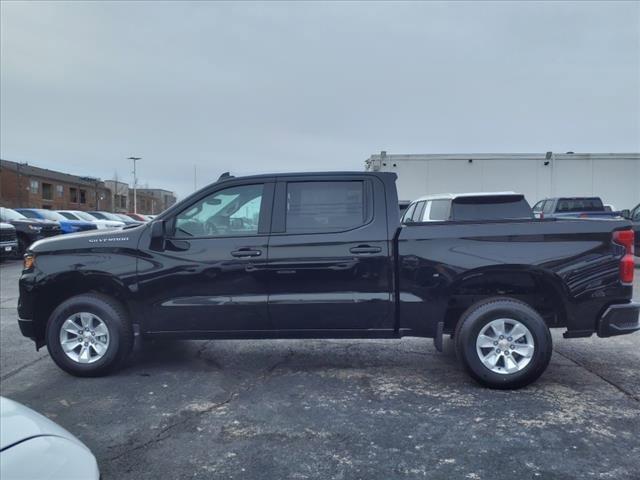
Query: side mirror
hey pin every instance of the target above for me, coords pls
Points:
(626, 213)
(157, 230)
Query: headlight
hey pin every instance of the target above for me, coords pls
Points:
(28, 261)
(35, 228)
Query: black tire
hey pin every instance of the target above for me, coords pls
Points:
(114, 316)
(473, 321)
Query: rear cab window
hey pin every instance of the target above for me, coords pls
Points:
(490, 207)
(587, 204)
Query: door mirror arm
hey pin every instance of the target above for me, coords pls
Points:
(158, 230)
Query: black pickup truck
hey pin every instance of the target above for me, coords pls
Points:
(323, 255)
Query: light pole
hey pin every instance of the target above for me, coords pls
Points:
(135, 182)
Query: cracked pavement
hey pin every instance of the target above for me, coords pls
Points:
(373, 409)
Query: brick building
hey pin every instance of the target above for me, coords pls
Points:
(119, 192)
(152, 201)
(23, 185)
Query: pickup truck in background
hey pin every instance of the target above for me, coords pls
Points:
(324, 255)
(567, 207)
(468, 206)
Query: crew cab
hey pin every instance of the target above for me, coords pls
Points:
(323, 255)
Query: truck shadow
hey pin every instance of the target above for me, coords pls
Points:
(260, 356)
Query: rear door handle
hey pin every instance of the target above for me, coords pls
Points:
(365, 249)
(246, 252)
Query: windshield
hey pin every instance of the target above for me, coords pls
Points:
(105, 216)
(123, 218)
(8, 214)
(49, 215)
(68, 215)
(85, 216)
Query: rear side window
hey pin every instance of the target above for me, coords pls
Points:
(580, 205)
(439, 211)
(323, 207)
(504, 207)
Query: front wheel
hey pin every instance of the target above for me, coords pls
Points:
(503, 343)
(89, 335)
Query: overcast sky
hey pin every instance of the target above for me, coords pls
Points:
(251, 87)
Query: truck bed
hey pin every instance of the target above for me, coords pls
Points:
(445, 267)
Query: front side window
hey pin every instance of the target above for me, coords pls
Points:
(408, 214)
(548, 206)
(323, 207)
(234, 211)
(417, 214)
(538, 206)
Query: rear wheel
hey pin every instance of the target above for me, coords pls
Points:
(503, 343)
(89, 335)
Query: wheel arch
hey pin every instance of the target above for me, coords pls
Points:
(70, 284)
(540, 289)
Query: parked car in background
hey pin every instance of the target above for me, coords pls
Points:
(324, 255)
(581, 207)
(128, 219)
(8, 240)
(34, 447)
(446, 207)
(115, 217)
(87, 217)
(138, 217)
(67, 226)
(28, 230)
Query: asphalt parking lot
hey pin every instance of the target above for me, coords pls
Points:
(335, 409)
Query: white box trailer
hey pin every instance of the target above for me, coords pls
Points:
(615, 177)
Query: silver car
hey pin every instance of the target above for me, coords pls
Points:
(32, 446)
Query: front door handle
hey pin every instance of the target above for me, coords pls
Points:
(246, 252)
(365, 249)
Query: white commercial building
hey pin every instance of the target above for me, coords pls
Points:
(615, 177)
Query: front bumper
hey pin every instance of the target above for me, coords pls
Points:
(619, 319)
(8, 248)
